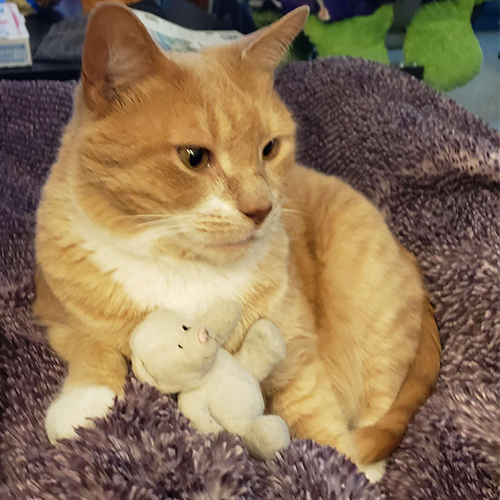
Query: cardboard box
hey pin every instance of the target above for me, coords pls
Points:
(14, 37)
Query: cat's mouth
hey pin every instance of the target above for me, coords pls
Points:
(236, 244)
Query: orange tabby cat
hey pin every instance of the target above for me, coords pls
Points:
(176, 186)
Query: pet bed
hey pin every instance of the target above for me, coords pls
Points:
(431, 168)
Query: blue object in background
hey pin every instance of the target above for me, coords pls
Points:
(488, 17)
(236, 13)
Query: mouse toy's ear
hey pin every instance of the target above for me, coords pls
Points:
(221, 320)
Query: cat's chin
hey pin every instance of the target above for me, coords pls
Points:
(232, 250)
(235, 245)
(214, 251)
(227, 251)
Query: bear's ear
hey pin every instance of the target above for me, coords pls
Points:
(221, 320)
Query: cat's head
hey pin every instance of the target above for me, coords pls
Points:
(188, 151)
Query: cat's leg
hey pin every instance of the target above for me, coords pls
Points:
(96, 375)
(312, 410)
(376, 338)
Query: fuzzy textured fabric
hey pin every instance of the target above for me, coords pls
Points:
(432, 168)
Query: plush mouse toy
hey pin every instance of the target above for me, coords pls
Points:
(216, 390)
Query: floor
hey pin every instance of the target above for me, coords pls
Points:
(481, 95)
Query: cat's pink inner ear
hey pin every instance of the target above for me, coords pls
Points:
(118, 53)
(267, 47)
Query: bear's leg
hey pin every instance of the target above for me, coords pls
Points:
(265, 436)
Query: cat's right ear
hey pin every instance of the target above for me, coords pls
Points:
(118, 53)
(267, 47)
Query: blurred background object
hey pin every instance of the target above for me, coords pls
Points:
(436, 36)
(453, 45)
(57, 32)
(28, 7)
(88, 5)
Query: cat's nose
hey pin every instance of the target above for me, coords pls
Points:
(258, 215)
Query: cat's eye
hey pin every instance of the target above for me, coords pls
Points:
(194, 157)
(271, 149)
(179, 346)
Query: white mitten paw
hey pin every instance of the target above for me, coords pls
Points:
(374, 472)
(76, 407)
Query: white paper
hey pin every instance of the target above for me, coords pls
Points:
(170, 36)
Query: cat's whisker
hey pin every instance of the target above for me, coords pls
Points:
(148, 237)
(140, 219)
(158, 223)
(91, 180)
(292, 211)
(160, 231)
(140, 216)
(184, 220)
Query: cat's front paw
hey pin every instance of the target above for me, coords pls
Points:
(77, 406)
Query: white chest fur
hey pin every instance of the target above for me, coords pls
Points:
(180, 285)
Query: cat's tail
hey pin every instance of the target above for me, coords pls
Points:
(379, 440)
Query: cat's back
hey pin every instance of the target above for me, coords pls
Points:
(330, 222)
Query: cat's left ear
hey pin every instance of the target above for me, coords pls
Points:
(267, 47)
(118, 53)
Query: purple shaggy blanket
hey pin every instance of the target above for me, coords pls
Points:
(432, 168)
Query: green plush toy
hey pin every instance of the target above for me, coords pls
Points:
(439, 38)
(342, 38)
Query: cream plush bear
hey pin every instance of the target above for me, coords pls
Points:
(216, 390)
